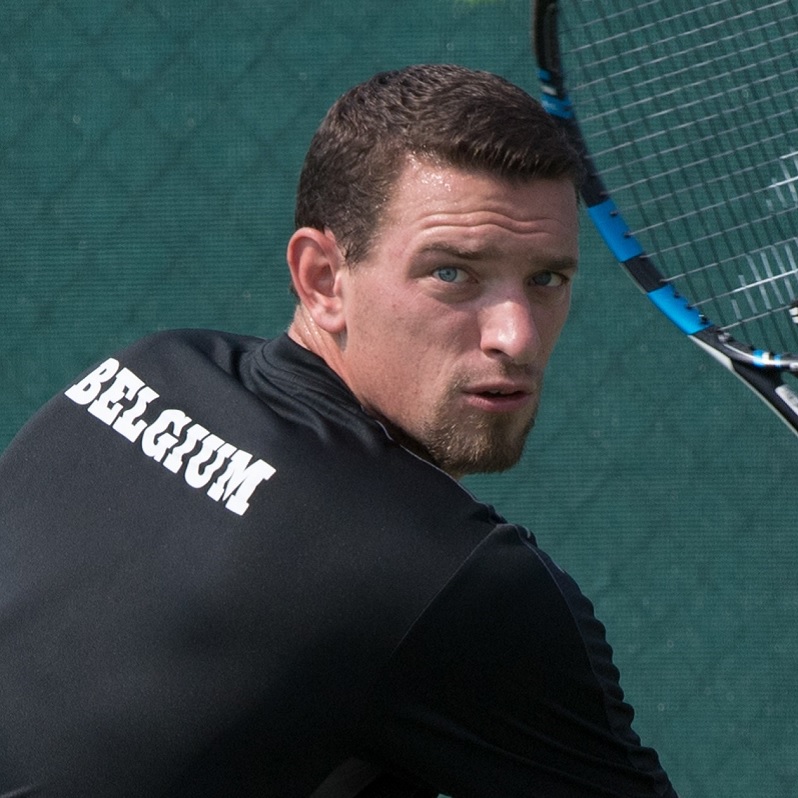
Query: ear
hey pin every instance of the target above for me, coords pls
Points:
(316, 263)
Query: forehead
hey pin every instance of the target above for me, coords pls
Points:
(422, 180)
(429, 198)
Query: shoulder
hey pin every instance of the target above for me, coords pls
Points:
(175, 399)
(195, 371)
(177, 362)
(187, 350)
(513, 616)
(510, 670)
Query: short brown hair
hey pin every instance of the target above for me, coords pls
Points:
(451, 115)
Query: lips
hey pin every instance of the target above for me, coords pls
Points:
(502, 392)
(502, 398)
(501, 388)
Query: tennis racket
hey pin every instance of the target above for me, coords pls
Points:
(690, 110)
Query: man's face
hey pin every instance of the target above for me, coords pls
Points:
(451, 318)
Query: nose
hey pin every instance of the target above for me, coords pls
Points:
(508, 331)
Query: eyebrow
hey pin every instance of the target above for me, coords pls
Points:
(488, 253)
(455, 251)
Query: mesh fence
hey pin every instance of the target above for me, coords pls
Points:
(148, 155)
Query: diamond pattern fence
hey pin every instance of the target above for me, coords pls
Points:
(148, 155)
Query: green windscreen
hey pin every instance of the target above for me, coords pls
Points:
(149, 151)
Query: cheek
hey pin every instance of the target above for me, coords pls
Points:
(402, 342)
(381, 349)
(404, 363)
(368, 314)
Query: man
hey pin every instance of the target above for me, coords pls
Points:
(233, 567)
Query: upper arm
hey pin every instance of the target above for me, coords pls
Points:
(505, 686)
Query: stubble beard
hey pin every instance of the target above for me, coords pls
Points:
(472, 443)
(483, 445)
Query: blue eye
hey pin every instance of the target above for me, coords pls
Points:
(549, 279)
(449, 274)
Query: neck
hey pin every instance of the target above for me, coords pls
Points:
(304, 331)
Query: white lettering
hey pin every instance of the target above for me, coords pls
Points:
(236, 484)
(156, 441)
(198, 474)
(128, 424)
(87, 389)
(171, 437)
(107, 406)
(195, 433)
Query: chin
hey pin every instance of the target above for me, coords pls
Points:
(483, 446)
(462, 455)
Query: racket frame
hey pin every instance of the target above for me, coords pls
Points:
(760, 370)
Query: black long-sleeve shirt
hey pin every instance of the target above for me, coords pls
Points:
(220, 577)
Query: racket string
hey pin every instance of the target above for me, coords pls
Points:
(692, 117)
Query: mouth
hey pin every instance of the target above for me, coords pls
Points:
(504, 399)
